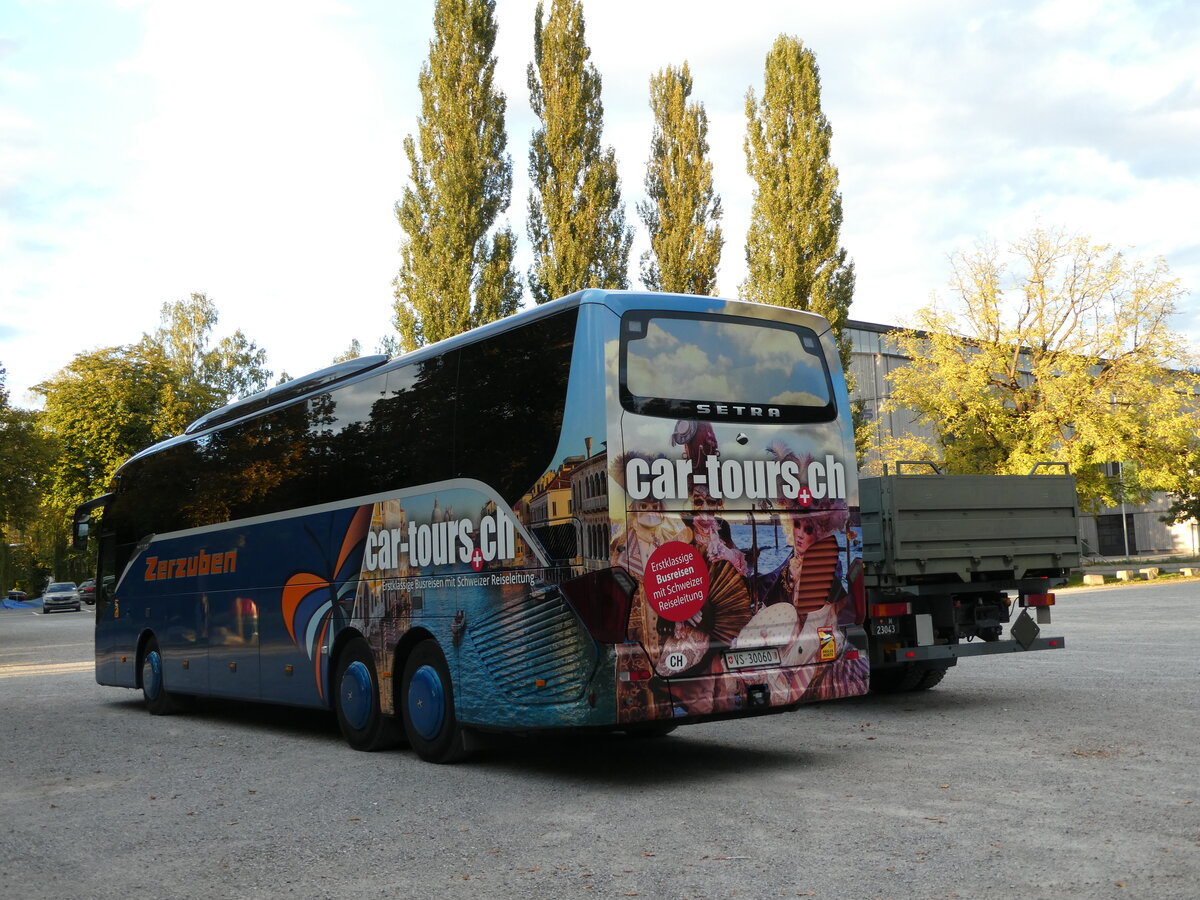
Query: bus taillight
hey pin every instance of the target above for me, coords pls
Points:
(602, 600)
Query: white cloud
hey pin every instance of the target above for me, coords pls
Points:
(253, 150)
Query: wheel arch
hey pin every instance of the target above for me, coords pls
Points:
(143, 642)
(344, 637)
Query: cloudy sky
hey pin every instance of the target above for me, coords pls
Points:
(252, 150)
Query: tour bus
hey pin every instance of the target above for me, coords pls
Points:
(618, 510)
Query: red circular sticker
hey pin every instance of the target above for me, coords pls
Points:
(676, 581)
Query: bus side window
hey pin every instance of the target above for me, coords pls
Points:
(344, 438)
(108, 567)
(411, 431)
(511, 400)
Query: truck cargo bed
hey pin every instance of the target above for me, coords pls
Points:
(920, 526)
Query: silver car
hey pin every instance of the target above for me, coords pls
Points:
(61, 595)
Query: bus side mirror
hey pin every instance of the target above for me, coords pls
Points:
(81, 523)
(79, 536)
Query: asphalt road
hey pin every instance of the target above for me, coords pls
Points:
(1069, 773)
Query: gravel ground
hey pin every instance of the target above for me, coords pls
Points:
(1069, 773)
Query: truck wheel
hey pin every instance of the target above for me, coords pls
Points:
(896, 679)
(931, 678)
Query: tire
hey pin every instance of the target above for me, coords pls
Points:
(895, 679)
(651, 731)
(356, 700)
(931, 678)
(427, 706)
(159, 701)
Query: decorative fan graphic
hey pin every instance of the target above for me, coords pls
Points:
(727, 612)
(311, 600)
(729, 597)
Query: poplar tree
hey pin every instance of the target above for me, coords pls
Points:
(683, 210)
(455, 272)
(576, 217)
(792, 246)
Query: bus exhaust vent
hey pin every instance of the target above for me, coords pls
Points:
(536, 649)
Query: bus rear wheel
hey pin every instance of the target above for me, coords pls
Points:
(159, 701)
(356, 700)
(427, 705)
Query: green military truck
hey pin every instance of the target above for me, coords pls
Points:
(949, 559)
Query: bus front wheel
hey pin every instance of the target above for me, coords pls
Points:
(427, 705)
(356, 700)
(159, 701)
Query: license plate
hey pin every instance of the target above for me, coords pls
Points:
(749, 659)
(885, 626)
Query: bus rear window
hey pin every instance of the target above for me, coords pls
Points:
(697, 366)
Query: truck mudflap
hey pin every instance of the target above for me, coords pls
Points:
(974, 648)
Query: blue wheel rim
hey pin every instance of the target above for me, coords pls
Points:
(152, 674)
(427, 702)
(356, 695)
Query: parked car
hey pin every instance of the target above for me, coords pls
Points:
(61, 595)
(18, 596)
(87, 591)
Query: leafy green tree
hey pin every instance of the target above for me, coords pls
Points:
(793, 254)
(100, 409)
(24, 457)
(22, 452)
(453, 275)
(683, 211)
(200, 377)
(576, 217)
(108, 404)
(1185, 493)
(354, 351)
(1061, 351)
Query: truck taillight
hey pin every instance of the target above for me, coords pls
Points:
(1037, 600)
(602, 600)
(882, 610)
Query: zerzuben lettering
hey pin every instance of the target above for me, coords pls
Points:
(190, 566)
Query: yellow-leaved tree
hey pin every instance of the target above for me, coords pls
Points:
(1060, 349)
